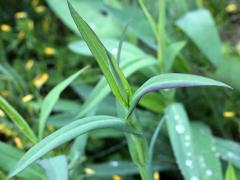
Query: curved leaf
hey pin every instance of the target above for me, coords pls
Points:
(168, 81)
(66, 134)
(115, 77)
(102, 89)
(17, 119)
(51, 99)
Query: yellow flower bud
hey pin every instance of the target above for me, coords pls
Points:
(116, 177)
(18, 143)
(40, 9)
(27, 98)
(231, 8)
(49, 51)
(228, 114)
(21, 15)
(40, 80)
(89, 171)
(29, 64)
(5, 28)
(156, 176)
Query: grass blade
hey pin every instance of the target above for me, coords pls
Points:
(168, 81)
(106, 61)
(51, 99)
(66, 134)
(18, 120)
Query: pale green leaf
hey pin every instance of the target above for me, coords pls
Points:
(228, 151)
(104, 26)
(56, 168)
(168, 81)
(200, 27)
(179, 131)
(17, 119)
(106, 61)
(170, 54)
(193, 146)
(51, 99)
(66, 134)
(102, 89)
(208, 163)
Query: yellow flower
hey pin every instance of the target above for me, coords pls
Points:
(156, 176)
(18, 143)
(21, 35)
(89, 171)
(49, 51)
(30, 25)
(116, 177)
(2, 114)
(27, 98)
(231, 8)
(40, 9)
(21, 15)
(40, 80)
(5, 28)
(228, 114)
(29, 64)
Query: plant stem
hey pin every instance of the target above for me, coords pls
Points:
(161, 34)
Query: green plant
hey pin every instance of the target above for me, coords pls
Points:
(127, 123)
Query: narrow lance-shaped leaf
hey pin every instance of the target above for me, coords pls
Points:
(51, 99)
(106, 61)
(102, 89)
(200, 27)
(66, 134)
(17, 119)
(180, 133)
(56, 168)
(208, 162)
(230, 173)
(192, 145)
(168, 81)
(228, 151)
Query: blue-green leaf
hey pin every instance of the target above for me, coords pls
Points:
(51, 99)
(56, 168)
(66, 134)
